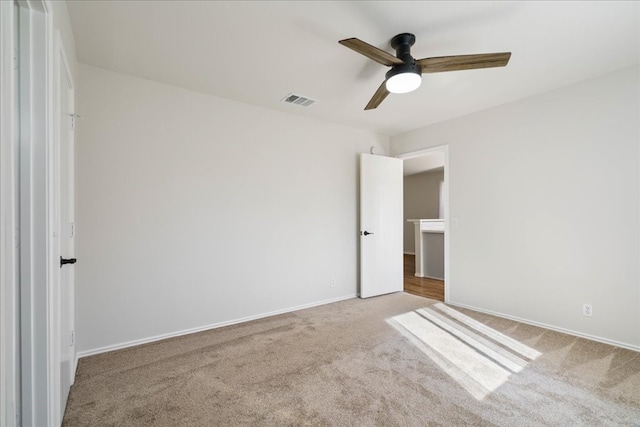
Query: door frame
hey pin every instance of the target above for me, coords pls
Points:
(35, 213)
(447, 210)
(9, 304)
(28, 337)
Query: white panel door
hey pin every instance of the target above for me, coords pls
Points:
(67, 233)
(381, 227)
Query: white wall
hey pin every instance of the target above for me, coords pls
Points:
(195, 210)
(421, 193)
(544, 202)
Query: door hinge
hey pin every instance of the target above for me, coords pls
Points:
(72, 340)
(74, 117)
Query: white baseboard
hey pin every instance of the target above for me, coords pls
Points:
(551, 327)
(141, 341)
(430, 277)
(410, 253)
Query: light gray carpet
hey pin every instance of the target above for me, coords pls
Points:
(380, 361)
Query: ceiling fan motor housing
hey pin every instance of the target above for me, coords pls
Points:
(402, 44)
(411, 67)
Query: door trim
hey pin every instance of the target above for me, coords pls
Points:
(447, 211)
(28, 401)
(9, 304)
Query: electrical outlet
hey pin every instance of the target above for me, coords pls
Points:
(587, 310)
(333, 283)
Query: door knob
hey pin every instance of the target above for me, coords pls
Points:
(366, 233)
(64, 261)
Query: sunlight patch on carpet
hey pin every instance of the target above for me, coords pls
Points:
(479, 358)
(501, 338)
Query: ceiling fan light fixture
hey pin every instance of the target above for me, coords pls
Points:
(404, 78)
(404, 83)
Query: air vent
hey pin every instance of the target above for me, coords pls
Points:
(302, 101)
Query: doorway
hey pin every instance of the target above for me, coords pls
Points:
(425, 239)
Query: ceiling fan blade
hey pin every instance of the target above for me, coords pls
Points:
(371, 52)
(378, 97)
(463, 62)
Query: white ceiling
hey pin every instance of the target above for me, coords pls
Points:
(258, 52)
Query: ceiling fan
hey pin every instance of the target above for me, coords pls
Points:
(406, 72)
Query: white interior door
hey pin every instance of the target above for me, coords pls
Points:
(67, 234)
(381, 228)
